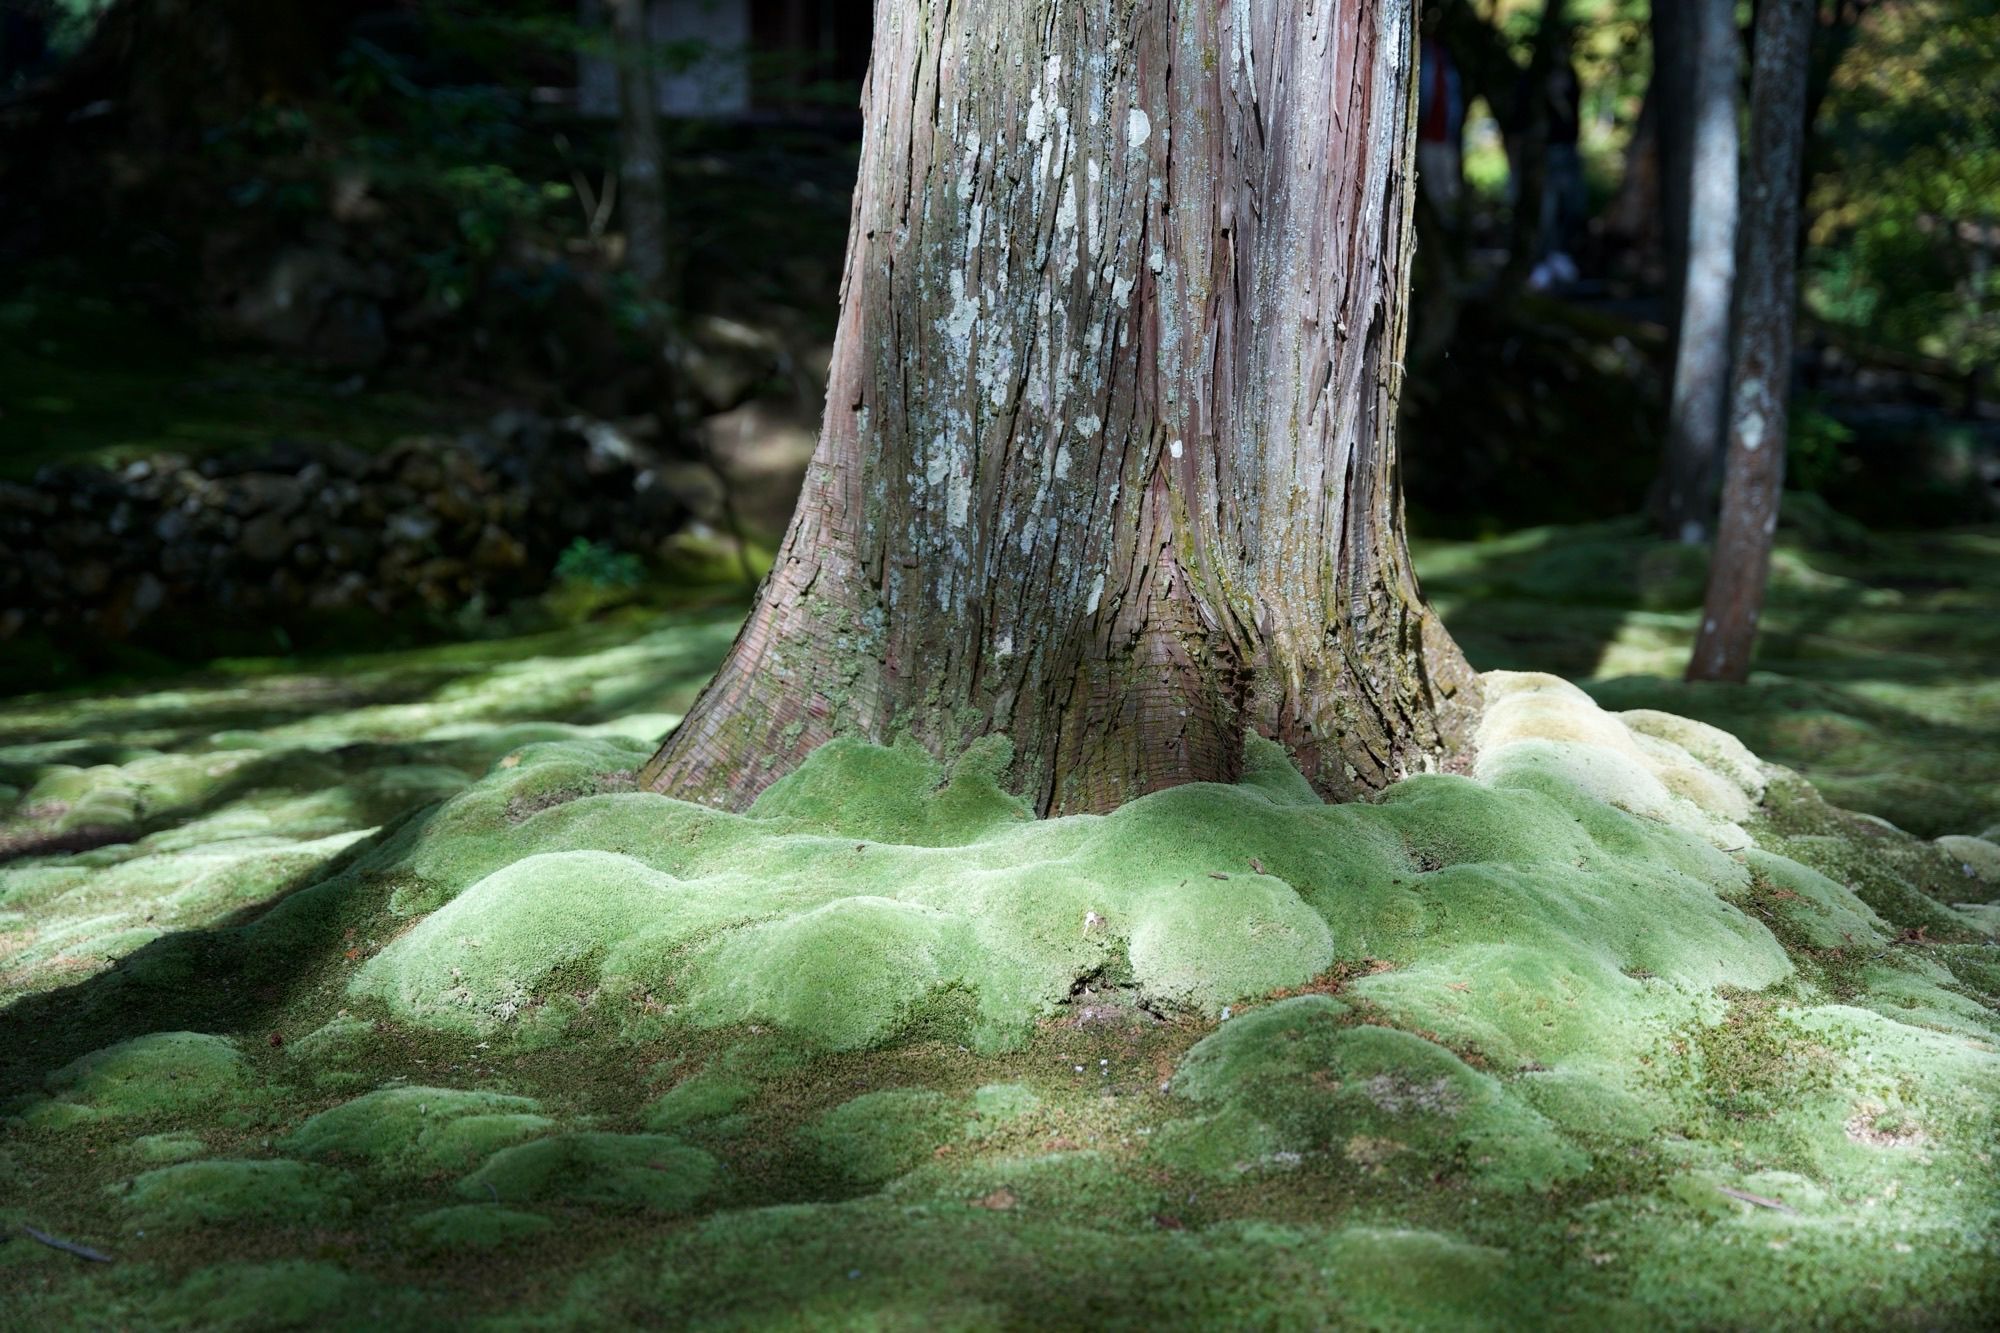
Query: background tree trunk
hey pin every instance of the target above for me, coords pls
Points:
(1671, 98)
(1761, 382)
(1528, 156)
(1683, 496)
(641, 159)
(1107, 464)
(1632, 220)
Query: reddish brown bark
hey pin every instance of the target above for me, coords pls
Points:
(1107, 464)
(1761, 382)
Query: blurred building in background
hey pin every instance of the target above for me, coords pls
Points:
(744, 59)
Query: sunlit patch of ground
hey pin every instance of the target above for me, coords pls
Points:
(376, 996)
(1874, 678)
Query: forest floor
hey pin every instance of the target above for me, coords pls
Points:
(367, 992)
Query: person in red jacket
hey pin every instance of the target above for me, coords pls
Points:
(1440, 126)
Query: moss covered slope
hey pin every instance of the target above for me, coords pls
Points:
(1626, 1026)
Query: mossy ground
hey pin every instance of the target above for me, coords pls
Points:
(375, 996)
(1874, 673)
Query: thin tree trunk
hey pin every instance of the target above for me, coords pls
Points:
(1530, 156)
(1761, 383)
(1632, 220)
(1672, 98)
(642, 160)
(1107, 464)
(1684, 494)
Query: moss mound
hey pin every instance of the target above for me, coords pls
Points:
(413, 1131)
(199, 1193)
(1590, 847)
(294, 1293)
(476, 1226)
(150, 1077)
(1298, 1077)
(874, 1265)
(645, 1171)
(881, 1135)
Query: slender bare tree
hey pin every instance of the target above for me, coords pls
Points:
(1683, 495)
(1760, 385)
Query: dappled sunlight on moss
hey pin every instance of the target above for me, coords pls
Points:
(1874, 667)
(416, 1131)
(409, 1009)
(218, 799)
(162, 1074)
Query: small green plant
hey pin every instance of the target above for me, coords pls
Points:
(590, 564)
(1816, 444)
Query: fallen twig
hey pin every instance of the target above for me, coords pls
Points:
(66, 1246)
(1747, 1197)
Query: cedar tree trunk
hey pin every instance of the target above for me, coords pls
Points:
(1107, 465)
(1683, 496)
(1762, 380)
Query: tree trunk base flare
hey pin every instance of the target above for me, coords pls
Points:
(1108, 463)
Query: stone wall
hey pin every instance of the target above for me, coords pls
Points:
(290, 533)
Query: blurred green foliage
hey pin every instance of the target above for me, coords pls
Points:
(1813, 444)
(72, 21)
(599, 566)
(1905, 216)
(1612, 50)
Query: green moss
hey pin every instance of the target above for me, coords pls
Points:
(485, 957)
(896, 795)
(880, 1135)
(708, 1095)
(640, 1171)
(164, 1074)
(1298, 1077)
(336, 1053)
(168, 1147)
(475, 1226)
(1206, 895)
(1051, 1186)
(201, 1193)
(288, 1293)
(416, 1131)
(996, 1103)
(1819, 913)
(885, 1265)
(845, 973)
(1203, 946)
(1979, 860)
(1625, 1027)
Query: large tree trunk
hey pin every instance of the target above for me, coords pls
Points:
(1107, 464)
(1683, 496)
(1762, 380)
